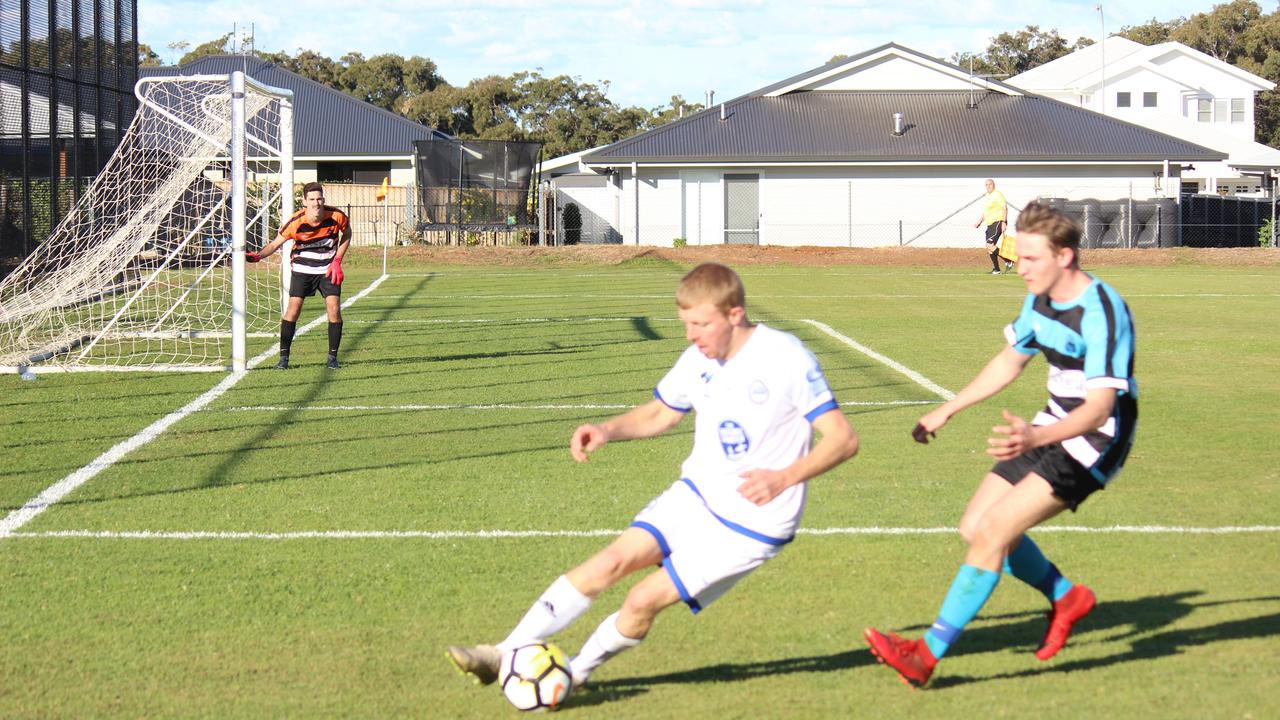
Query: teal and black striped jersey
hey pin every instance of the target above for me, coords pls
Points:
(1089, 343)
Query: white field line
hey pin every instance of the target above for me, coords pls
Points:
(500, 406)
(842, 296)
(519, 534)
(512, 321)
(68, 484)
(919, 379)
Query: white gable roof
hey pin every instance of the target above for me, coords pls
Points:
(889, 67)
(1081, 71)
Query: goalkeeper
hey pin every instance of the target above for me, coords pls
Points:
(321, 235)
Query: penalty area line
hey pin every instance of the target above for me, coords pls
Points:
(519, 534)
(919, 379)
(68, 484)
(500, 406)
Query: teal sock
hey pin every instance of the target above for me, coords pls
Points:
(968, 593)
(1029, 565)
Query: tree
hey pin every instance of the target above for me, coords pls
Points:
(1151, 32)
(1014, 53)
(1221, 31)
(217, 46)
(678, 108)
(178, 46)
(148, 57)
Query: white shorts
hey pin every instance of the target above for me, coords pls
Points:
(703, 556)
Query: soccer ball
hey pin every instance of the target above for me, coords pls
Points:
(535, 677)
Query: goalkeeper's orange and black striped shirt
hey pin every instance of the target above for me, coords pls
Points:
(314, 246)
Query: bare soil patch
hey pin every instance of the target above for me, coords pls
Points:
(813, 256)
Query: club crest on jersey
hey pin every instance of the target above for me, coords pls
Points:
(733, 439)
(817, 381)
(758, 392)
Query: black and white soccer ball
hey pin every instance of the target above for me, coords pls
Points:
(535, 677)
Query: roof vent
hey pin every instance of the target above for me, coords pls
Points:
(723, 117)
(711, 98)
(899, 124)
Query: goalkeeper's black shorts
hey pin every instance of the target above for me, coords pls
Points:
(306, 285)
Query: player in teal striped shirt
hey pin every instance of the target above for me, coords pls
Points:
(1069, 450)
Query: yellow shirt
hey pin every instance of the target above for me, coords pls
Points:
(996, 208)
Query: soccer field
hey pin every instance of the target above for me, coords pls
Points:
(305, 543)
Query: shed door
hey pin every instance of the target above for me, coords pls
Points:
(742, 209)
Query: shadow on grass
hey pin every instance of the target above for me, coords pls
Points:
(622, 688)
(1140, 620)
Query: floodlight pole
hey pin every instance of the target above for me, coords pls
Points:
(1103, 48)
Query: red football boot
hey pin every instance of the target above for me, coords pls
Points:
(1066, 612)
(911, 658)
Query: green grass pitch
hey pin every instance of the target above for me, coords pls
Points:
(316, 538)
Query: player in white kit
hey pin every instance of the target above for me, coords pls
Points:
(757, 395)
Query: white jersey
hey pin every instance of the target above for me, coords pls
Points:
(752, 412)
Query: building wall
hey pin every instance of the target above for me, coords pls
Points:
(67, 96)
(854, 206)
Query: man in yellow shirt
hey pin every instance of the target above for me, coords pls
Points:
(995, 214)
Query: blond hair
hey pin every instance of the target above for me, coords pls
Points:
(712, 283)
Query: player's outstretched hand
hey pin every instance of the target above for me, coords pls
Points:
(334, 273)
(1018, 438)
(586, 440)
(761, 486)
(920, 435)
(928, 426)
(252, 256)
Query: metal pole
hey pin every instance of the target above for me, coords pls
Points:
(239, 294)
(386, 219)
(286, 197)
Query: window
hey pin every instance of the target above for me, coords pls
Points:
(1220, 109)
(368, 173)
(1204, 110)
(1122, 99)
(1148, 99)
(1237, 110)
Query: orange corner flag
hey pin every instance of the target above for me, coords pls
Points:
(382, 191)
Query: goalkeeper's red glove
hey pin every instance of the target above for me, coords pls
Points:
(334, 273)
(252, 255)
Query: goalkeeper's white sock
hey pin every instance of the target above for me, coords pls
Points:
(554, 611)
(603, 644)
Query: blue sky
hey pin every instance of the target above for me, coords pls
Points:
(648, 50)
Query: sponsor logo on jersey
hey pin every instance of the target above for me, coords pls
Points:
(706, 377)
(758, 392)
(734, 440)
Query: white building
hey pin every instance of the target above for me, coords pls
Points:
(890, 147)
(1173, 89)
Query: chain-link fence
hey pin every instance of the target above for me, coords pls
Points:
(67, 70)
(713, 208)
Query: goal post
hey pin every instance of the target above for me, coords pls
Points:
(147, 271)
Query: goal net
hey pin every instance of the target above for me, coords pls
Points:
(147, 271)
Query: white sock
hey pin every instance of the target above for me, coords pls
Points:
(603, 644)
(558, 607)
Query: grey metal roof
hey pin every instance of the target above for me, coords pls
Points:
(326, 121)
(844, 126)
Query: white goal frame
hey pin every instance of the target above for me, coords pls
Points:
(114, 287)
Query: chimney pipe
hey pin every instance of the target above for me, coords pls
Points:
(711, 98)
(722, 115)
(899, 124)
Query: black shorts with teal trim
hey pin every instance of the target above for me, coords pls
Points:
(1072, 482)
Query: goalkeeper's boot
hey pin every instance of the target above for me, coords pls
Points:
(1066, 612)
(283, 363)
(480, 663)
(332, 363)
(911, 658)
